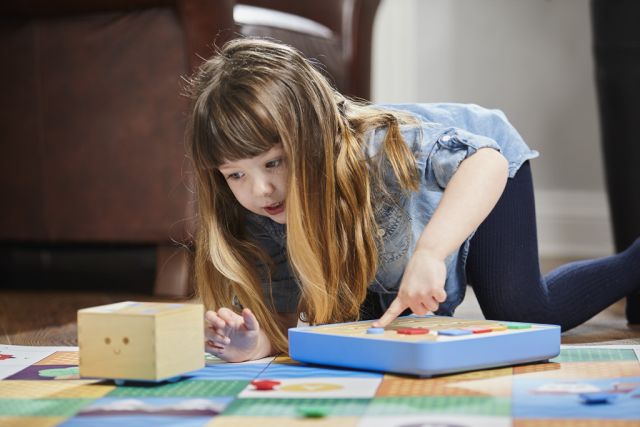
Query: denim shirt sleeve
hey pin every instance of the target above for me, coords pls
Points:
(449, 148)
(478, 122)
(283, 293)
(445, 135)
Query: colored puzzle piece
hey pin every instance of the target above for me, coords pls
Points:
(412, 331)
(597, 398)
(454, 332)
(264, 385)
(312, 411)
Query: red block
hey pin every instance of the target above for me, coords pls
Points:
(412, 331)
(479, 330)
(264, 384)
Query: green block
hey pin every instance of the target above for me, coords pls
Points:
(42, 407)
(454, 405)
(595, 355)
(292, 407)
(517, 325)
(187, 388)
(312, 411)
(60, 372)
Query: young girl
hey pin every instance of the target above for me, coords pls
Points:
(316, 207)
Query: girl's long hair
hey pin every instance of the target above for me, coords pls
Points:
(252, 95)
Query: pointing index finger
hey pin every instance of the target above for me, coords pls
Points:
(394, 310)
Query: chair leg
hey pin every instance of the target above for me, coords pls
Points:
(172, 272)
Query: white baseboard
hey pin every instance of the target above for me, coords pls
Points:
(573, 224)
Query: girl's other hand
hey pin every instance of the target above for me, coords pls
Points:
(233, 337)
(421, 289)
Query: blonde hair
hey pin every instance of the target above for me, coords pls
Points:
(252, 95)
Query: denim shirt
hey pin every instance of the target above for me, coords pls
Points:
(445, 136)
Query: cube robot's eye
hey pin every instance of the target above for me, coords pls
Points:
(125, 340)
(107, 340)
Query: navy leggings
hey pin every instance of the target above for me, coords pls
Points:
(503, 268)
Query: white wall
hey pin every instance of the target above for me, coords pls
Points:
(530, 58)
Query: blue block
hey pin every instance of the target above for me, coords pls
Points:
(597, 398)
(454, 332)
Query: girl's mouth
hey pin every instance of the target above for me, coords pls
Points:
(275, 209)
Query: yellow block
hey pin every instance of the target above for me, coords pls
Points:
(60, 358)
(141, 340)
(31, 421)
(26, 389)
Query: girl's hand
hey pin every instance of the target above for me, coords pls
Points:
(421, 289)
(235, 338)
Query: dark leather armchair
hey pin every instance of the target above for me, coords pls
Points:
(93, 174)
(336, 33)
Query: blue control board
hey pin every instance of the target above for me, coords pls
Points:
(425, 345)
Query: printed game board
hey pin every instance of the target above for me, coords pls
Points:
(583, 386)
(425, 345)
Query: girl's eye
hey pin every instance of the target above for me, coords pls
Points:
(274, 163)
(234, 176)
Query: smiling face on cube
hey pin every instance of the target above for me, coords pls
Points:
(117, 346)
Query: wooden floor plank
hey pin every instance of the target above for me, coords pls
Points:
(49, 318)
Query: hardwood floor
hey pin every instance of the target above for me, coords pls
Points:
(49, 318)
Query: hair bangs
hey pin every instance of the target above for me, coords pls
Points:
(241, 126)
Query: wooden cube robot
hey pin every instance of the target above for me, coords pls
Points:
(141, 341)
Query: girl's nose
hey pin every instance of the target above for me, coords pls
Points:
(263, 187)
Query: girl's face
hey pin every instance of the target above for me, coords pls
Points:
(259, 183)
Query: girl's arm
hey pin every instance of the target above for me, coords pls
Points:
(469, 197)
